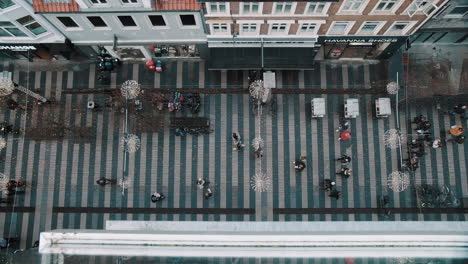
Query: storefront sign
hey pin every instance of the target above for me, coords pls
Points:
(17, 48)
(359, 40)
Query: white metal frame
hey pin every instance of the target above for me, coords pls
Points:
(220, 33)
(394, 8)
(272, 23)
(217, 4)
(317, 23)
(324, 11)
(370, 33)
(348, 28)
(30, 23)
(242, 33)
(259, 12)
(408, 27)
(353, 12)
(430, 4)
(282, 13)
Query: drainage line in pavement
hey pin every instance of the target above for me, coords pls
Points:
(413, 210)
(117, 210)
(234, 91)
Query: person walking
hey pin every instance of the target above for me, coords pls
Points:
(328, 184)
(419, 119)
(104, 181)
(299, 164)
(208, 193)
(344, 159)
(437, 144)
(202, 183)
(456, 130)
(459, 109)
(335, 194)
(460, 139)
(345, 172)
(344, 125)
(425, 125)
(156, 197)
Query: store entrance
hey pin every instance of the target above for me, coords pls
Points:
(358, 50)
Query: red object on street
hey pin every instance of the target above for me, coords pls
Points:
(349, 261)
(345, 135)
(149, 63)
(152, 67)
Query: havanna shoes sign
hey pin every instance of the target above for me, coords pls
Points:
(17, 48)
(384, 40)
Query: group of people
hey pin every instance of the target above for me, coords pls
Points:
(12, 188)
(343, 129)
(204, 184)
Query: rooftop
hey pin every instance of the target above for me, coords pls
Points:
(51, 6)
(170, 5)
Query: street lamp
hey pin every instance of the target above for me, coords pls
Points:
(260, 182)
(2, 143)
(393, 138)
(130, 89)
(7, 86)
(130, 143)
(398, 181)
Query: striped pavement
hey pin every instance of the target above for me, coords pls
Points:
(61, 175)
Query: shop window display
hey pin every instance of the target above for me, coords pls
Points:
(175, 51)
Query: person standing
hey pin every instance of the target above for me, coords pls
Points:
(456, 130)
(335, 194)
(104, 181)
(344, 159)
(156, 197)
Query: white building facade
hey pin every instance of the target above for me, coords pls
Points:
(22, 30)
(133, 29)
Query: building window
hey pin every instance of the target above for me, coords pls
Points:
(283, 8)
(31, 24)
(426, 7)
(217, 8)
(249, 28)
(130, 1)
(251, 8)
(6, 3)
(386, 5)
(68, 22)
(400, 28)
(316, 9)
(188, 20)
(157, 21)
(370, 27)
(99, 1)
(278, 28)
(219, 28)
(7, 29)
(353, 6)
(127, 21)
(97, 21)
(339, 28)
(459, 11)
(308, 28)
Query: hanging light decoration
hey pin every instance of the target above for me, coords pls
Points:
(260, 182)
(398, 181)
(130, 142)
(393, 138)
(2, 143)
(130, 89)
(392, 88)
(256, 89)
(6, 86)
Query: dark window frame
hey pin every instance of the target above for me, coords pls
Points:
(158, 18)
(188, 20)
(66, 22)
(103, 25)
(123, 23)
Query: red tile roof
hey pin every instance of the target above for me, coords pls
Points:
(168, 5)
(41, 7)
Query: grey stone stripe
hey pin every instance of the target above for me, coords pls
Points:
(223, 79)
(157, 80)
(359, 139)
(201, 140)
(223, 185)
(179, 74)
(268, 163)
(301, 79)
(281, 195)
(189, 187)
(246, 174)
(372, 170)
(201, 74)
(345, 73)
(367, 83)
(120, 160)
(303, 151)
(74, 181)
(48, 84)
(176, 188)
(395, 167)
(165, 168)
(236, 156)
(212, 157)
(154, 167)
(58, 90)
